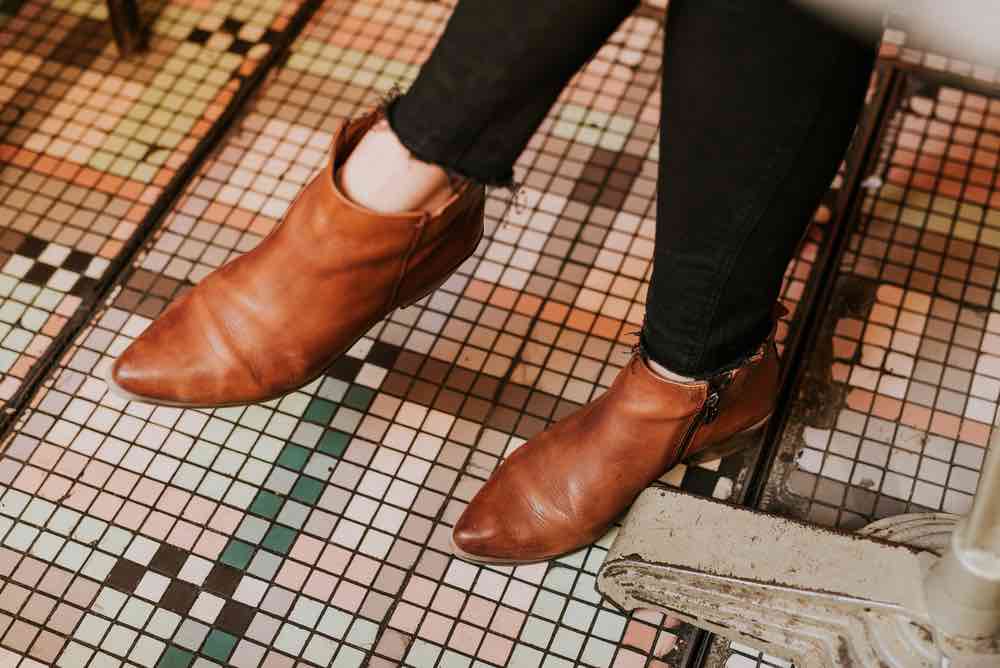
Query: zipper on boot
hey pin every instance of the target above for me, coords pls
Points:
(709, 410)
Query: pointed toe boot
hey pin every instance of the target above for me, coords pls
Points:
(564, 488)
(275, 318)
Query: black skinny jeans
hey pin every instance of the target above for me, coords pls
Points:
(760, 100)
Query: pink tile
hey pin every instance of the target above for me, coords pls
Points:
(507, 621)
(362, 569)
(82, 591)
(172, 500)
(478, 611)
(29, 572)
(8, 561)
(106, 506)
(349, 596)
(29, 479)
(47, 647)
(55, 581)
(419, 591)
(12, 597)
(147, 491)
(38, 608)
(226, 520)
(20, 635)
(435, 628)
(448, 601)
(45, 456)
(121, 482)
(629, 659)
(158, 525)
(307, 549)
(496, 649)
(406, 617)
(132, 515)
(97, 473)
(639, 635)
(210, 545)
(184, 535)
(292, 575)
(466, 638)
(54, 488)
(198, 509)
(71, 465)
(321, 585)
(334, 559)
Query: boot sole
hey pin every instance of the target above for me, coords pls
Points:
(744, 440)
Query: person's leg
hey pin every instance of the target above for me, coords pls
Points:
(759, 102)
(491, 79)
(379, 227)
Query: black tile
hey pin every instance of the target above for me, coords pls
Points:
(699, 481)
(199, 36)
(222, 580)
(168, 560)
(240, 46)
(383, 354)
(83, 287)
(125, 575)
(235, 618)
(231, 25)
(31, 247)
(83, 43)
(346, 368)
(179, 597)
(39, 274)
(77, 261)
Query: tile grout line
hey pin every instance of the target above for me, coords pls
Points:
(161, 207)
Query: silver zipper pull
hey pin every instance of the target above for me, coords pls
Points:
(711, 408)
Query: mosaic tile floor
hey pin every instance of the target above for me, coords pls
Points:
(903, 386)
(912, 361)
(310, 530)
(88, 141)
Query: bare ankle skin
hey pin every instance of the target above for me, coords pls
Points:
(382, 175)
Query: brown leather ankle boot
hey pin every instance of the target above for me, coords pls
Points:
(564, 488)
(275, 318)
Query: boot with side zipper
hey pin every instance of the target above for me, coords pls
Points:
(275, 318)
(564, 488)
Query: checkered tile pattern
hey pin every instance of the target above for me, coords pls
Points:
(310, 530)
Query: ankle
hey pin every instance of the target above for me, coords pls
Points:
(382, 175)
(664, 372)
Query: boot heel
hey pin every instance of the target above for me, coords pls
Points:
(746, 439)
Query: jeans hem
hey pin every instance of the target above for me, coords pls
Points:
(646, 350)
(455, 170)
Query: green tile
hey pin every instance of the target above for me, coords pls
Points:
(237, 554)
(279, 539)
(266, 504)
(293, 457)
(359, 397)
(175, 657)
(218, 645)
(307, 490)
(334, 443)
(320, 411)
